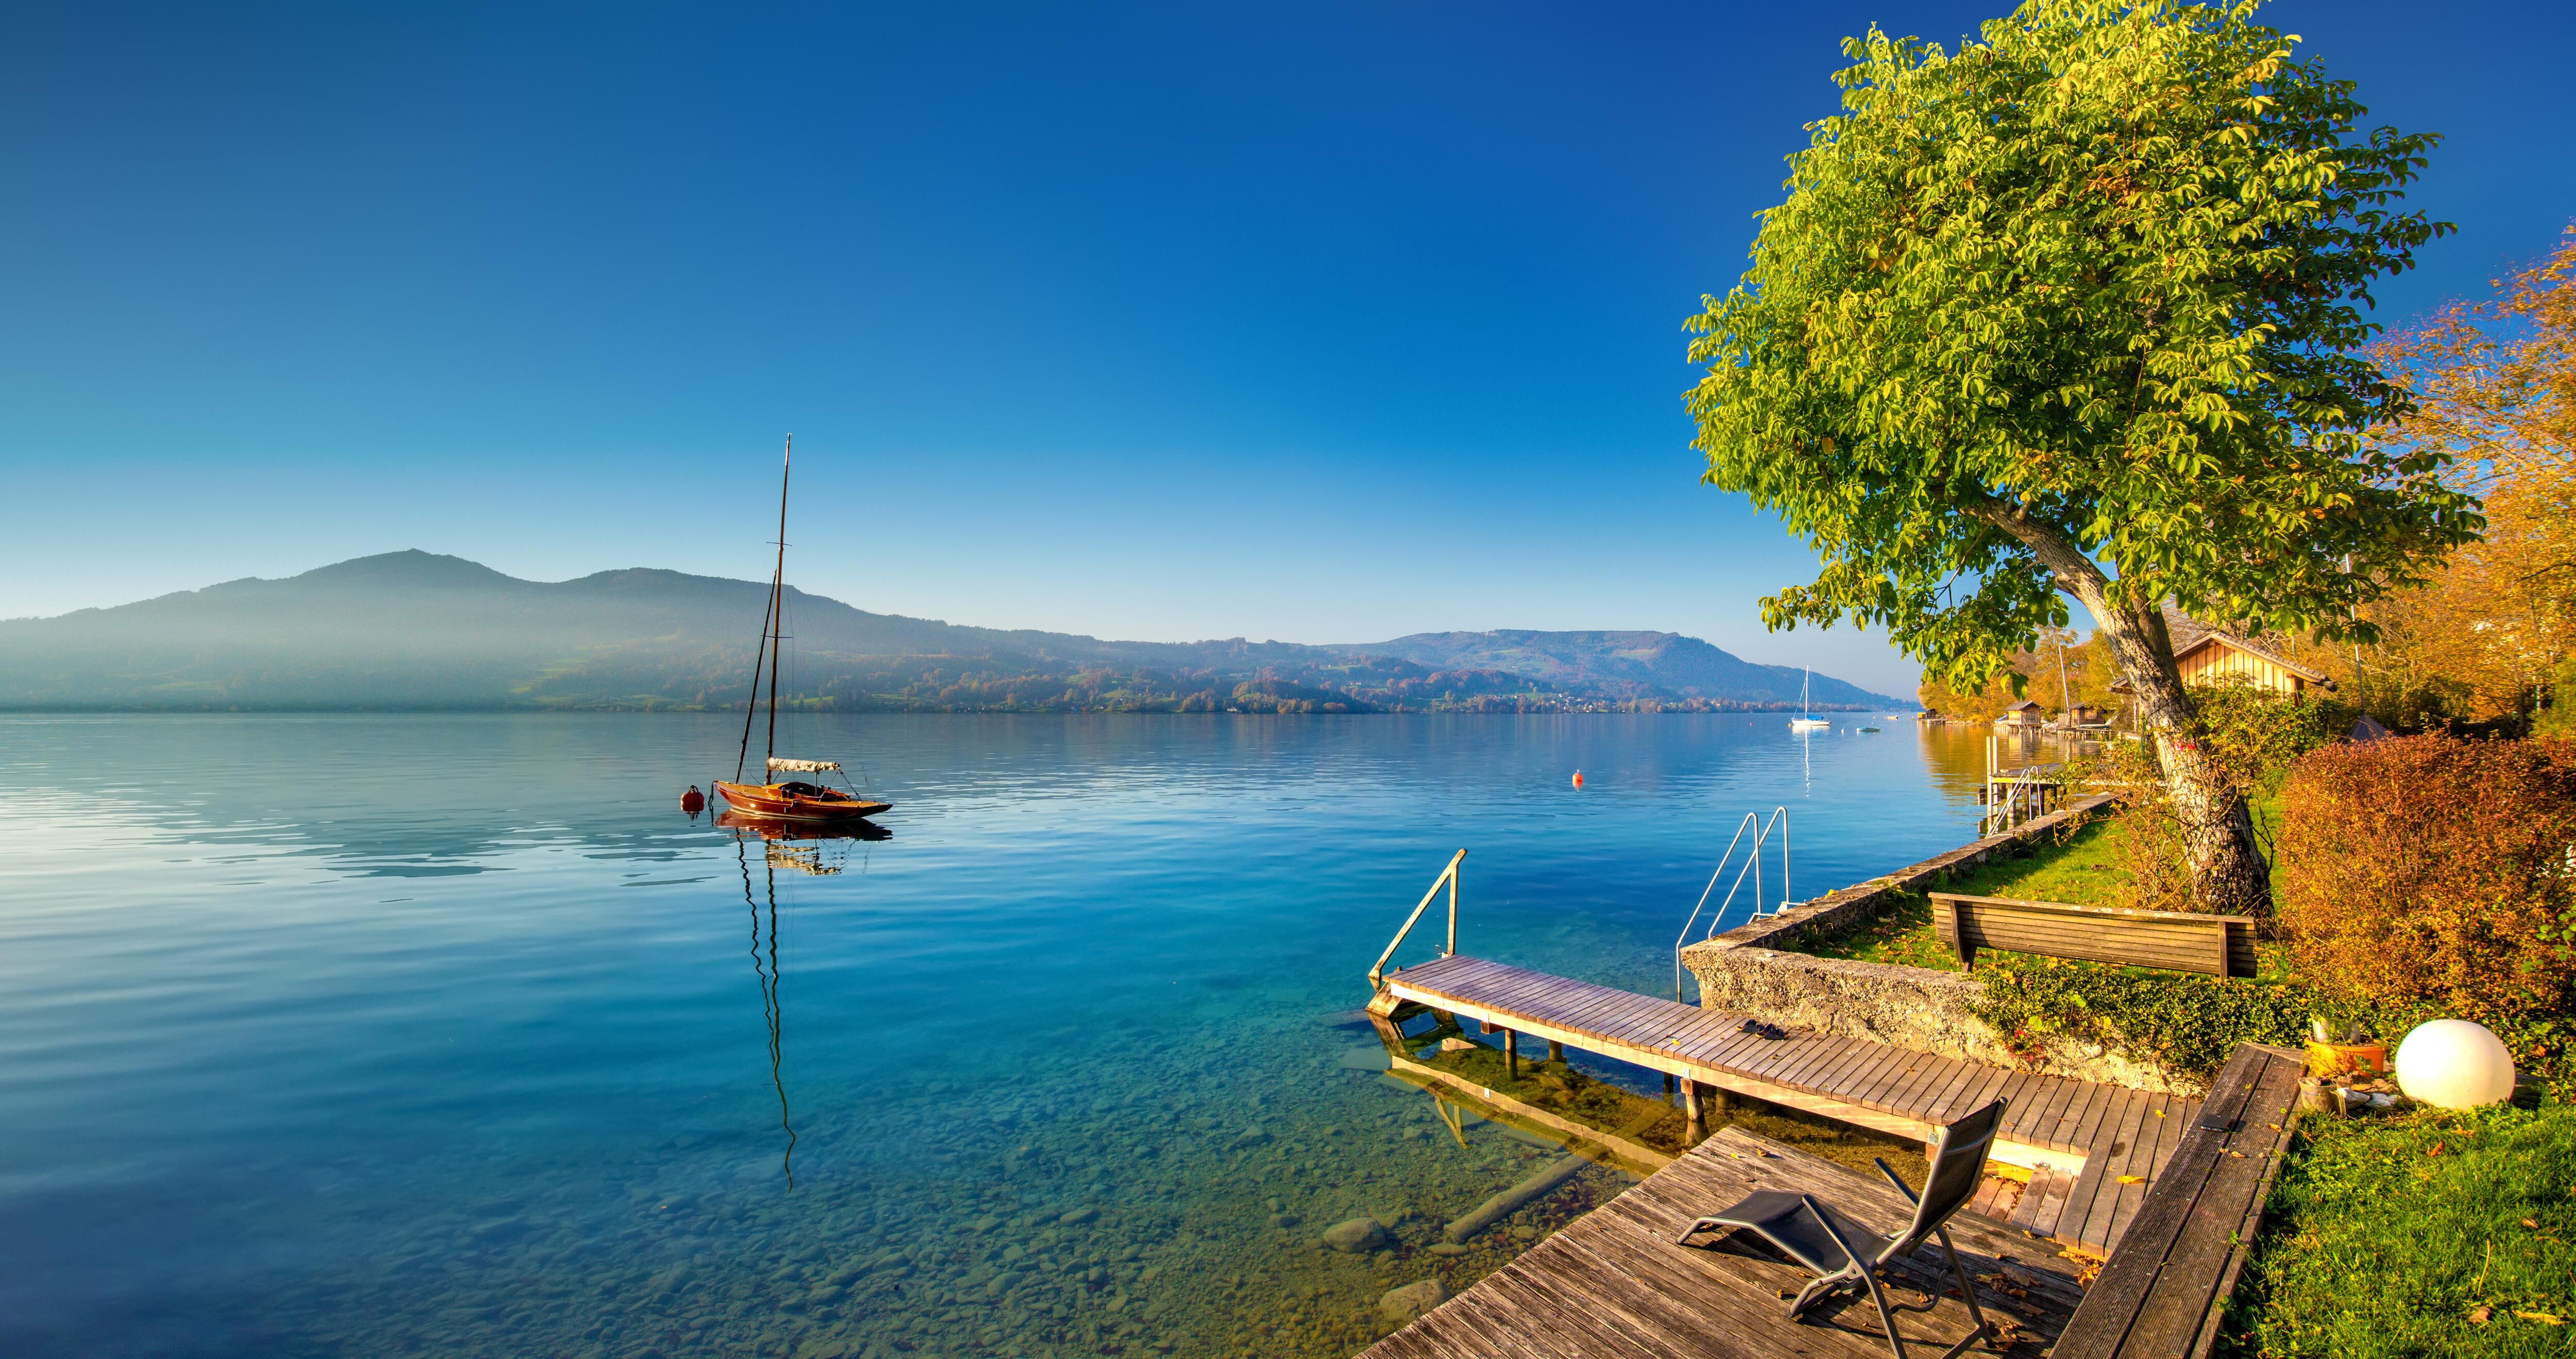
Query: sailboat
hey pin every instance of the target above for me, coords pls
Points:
(789, 799)
(1805, 720)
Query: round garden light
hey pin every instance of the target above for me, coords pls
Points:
(2454, 1064)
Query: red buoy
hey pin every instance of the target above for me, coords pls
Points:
(692, 802)
(1578, 778)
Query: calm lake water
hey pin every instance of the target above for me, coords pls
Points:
(450, 1035)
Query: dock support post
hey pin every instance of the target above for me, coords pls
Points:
(1555, 1050)
(1512, 1054)
(1690, 1107)
(1668, 1087)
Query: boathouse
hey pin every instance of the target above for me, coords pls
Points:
(2207, 654)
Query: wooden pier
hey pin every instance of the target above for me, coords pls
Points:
(2092, 1149)
(1613, 1285)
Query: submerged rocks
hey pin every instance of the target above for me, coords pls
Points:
(1406, 1305)
(1353, 1235)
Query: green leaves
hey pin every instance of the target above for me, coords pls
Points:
(2093, 281)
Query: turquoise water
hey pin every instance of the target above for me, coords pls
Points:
(451, 1035)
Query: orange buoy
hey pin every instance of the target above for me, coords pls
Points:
(692, 801)
(1578, 778)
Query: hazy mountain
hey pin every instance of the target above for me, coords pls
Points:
(418, 630)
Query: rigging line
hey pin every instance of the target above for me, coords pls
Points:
(778, 587)
(751, 709)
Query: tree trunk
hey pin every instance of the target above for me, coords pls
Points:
(2227, 870)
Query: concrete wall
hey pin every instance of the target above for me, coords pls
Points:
(1747, 971)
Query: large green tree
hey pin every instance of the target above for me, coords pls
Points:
(2074, 311)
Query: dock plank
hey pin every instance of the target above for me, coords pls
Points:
(1877, 1085)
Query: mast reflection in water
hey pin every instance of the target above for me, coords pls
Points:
(778, 851)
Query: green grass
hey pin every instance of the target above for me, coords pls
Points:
(2393, 1236)
(2077, 869)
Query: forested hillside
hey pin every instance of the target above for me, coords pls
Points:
(418, 630)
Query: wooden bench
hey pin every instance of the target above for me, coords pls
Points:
(2164, 1291)
(2185, 941)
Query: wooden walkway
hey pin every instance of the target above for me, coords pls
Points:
(2165, 1293)
(1613, 1285)
(2093, 1149)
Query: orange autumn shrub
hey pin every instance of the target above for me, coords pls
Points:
(2434, 870)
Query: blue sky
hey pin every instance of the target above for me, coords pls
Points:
(1325, 322)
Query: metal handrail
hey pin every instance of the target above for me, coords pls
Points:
(1761, 828)
(1449, 875)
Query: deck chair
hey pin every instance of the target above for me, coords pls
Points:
(1829, 1245)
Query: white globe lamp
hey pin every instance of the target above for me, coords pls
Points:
(2454, 1064)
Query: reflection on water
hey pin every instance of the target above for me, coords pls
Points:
(767, 971)
(457, 1061)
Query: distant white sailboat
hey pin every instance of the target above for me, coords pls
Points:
(1807, 721)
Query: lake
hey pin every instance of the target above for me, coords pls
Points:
(451, 1035)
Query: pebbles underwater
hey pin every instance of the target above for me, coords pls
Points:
(1233, 1190)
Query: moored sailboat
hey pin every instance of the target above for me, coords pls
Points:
(1805, 720)
(786, 799)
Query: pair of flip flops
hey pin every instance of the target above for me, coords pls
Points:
(1760, 1029)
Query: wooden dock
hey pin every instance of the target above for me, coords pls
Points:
(2093, 1149)
(1614, 1283)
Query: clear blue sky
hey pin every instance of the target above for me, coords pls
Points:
(1324, 322)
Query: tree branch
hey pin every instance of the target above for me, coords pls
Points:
(2075, 572)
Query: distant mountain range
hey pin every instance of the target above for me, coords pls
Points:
(414, 630)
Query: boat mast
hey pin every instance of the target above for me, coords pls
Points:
(777, 600)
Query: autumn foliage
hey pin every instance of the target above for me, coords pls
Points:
(2433, 870)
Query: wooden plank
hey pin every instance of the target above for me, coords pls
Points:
(2055, 1127)
(2095, 1116)
(1728, 1049)
(2043, 1200)
(2179, 1302)
(1521, 1305)
(1948, 1104)
(1800, 1054)
(1546, 1000)
(1983, 1088)
(1892, 1084)
(1876, 1085)
(1513, 988)
(2067, 908)
(2098, 1171)
(1701, 1042)
(2187, 941)
(2148, 1160)
(1816, 1055)
(2111, 1308)
(2070, 1118)
(1770, 1056)
(1837, 1076)
(2271, 1151)
(2043, 1095)
(1907, 1095)
(1649, 1024)
(1860, 1085)
(1585, 1014)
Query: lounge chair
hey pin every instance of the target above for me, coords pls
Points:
(1829, 1245)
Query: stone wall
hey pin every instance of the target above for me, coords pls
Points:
(1747, 970)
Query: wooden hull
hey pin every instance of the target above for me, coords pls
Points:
(770, 801)
(771, 828)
